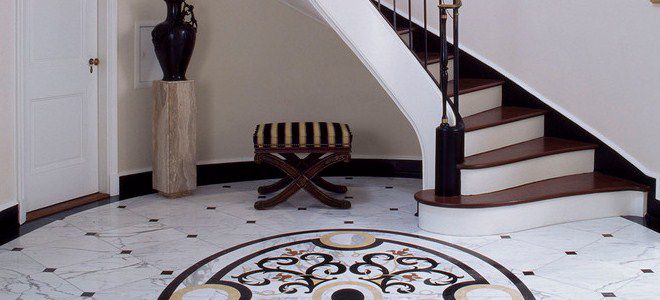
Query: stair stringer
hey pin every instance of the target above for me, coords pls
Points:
(397, 70)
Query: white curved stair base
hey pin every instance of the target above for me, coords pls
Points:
(479, 101)
(487, 180)
(495, 137)
(507, 219)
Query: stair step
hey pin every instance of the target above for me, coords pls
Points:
(499, 116)
(469, 85)
(545, 146)
(434, 57)
(574, 185)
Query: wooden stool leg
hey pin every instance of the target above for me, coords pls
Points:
(330, 187)
(279, 198)
(269, 189)
(327, 200)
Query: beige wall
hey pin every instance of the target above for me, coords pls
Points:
(7, 100)
(259, 61)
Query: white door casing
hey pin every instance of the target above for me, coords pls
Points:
(59, 118)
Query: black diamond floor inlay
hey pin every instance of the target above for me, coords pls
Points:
(192, 236)
(91, 234)
(302, 208)
(394, 209)
(528, 273)
(252, 222)
(505, 237)
(17, 249)
(609, 295)
(349, 222)
(647, 271)
(167, 273)
(121, 206)
(211, 208)
(126, 251)
(607, 235)
(153, 220)
(49, 270)
(571, 253)
(389, 187)
(87, 294)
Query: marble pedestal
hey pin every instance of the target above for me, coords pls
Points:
(174, 138)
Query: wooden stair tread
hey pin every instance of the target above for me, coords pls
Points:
(499, 116)
(434, 57)
(573, 185)
(523, 151)
(469, 85)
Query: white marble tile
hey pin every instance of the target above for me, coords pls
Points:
(625, 253)
(544, 288)
(646, 287)
(71, 251)
(19, 264)
(520, 256)
(638, 233)
(588, 273)
(105, 218)
(176, 255)
(36, 286)
(600, 226)
(106, 273)
(146, 289)
(55, 231)
(140, 235)
(558, 238)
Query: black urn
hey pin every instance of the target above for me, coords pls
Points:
(174, 40)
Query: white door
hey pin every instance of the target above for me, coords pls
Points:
(60, 101)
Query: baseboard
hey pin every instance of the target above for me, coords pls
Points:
(140, 184)
(64, 206)
(9, 224)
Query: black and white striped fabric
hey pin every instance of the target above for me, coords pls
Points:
(303, 135)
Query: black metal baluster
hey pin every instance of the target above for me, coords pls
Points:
(394, 16)
(426, 36)
(444, 61)
(410, 26)
(456, 54)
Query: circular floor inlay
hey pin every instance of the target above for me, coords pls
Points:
(346, 264)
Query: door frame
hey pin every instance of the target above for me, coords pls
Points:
(107, 102)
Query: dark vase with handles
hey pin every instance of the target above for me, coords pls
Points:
(174, 40)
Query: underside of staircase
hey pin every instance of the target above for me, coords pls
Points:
(520, 171)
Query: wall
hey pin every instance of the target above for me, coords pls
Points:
(595, 61)
(7, 100)
(259, 61)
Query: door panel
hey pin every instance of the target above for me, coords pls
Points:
(60, 105)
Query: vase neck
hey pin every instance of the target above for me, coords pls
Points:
(174, 13)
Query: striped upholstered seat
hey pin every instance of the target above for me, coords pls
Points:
(302, 135)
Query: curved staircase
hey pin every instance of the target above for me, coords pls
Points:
(514, 177)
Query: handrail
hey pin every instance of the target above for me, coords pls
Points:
(450, 139)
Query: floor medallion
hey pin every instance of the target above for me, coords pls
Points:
(347, 264)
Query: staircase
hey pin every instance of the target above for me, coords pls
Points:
(513, 176)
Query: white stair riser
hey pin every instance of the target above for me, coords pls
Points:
(480, 101)
(405, 38)
(492, 138)
(508, 219)
(487, 180)
(435, 69)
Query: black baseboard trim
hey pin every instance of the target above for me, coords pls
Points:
(9, 224)
(140, 184)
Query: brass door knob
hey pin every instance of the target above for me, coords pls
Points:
(93, 62)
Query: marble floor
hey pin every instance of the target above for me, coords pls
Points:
(150, 247)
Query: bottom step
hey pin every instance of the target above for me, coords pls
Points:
(553, 201)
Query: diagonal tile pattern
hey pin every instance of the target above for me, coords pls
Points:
(129, 257)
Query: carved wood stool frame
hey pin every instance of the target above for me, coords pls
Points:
(302, 174)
